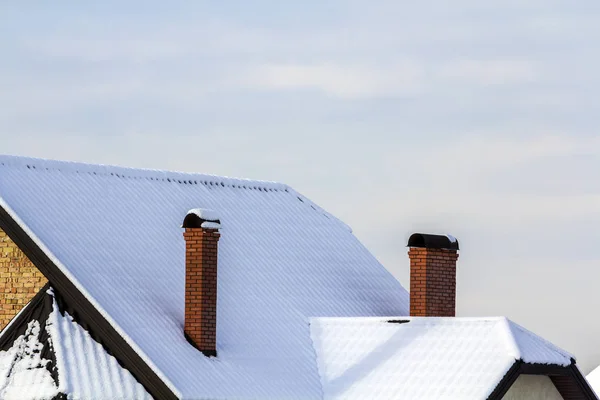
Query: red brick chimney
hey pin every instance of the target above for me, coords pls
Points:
(432, 275)
(201, 244)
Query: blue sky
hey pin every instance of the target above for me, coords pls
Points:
(473, 118)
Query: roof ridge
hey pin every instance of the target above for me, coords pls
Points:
(514, 326)
(140, 173)
(509, 336)
(371, 319)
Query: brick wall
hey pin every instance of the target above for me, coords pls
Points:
(201, 288)
(432, 282)
(20, 280)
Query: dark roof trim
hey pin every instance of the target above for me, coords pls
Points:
(428, 241)
(568, 380)
(107, 334)
(545, 369)
(580, 381)
(509, 378)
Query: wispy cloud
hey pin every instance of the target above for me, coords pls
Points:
(338, 80)
(403, 78)
(103, 50)
(489, 72)
(479, 153)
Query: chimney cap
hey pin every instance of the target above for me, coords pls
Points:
(201, 218)
(429, 241)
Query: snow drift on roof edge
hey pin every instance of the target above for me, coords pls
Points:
(158, 175)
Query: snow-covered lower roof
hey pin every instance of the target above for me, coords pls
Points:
(115, 234)
(423, 358)
(594, 379)
(55, 355)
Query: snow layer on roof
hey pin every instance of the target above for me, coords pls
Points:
(116, 233)
(208, 215)
(84, 369)
(594, 379)
(24, 373)
(422, 358)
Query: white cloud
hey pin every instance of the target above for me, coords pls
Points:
(338, 80)
(489, 72)
(491, 150)
(404, 78)
(443, 181)
(108, 49)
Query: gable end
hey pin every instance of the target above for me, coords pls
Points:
(568, 380)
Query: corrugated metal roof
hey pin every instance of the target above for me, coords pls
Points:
(116, 234)
(423, 358)
(75, 364)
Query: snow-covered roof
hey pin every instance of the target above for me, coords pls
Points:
(423, 358)
(116, 234)
(72, 364)
(594, 379)
(24, 367)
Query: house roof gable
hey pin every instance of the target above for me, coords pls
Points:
(46, 353)
(426, 357)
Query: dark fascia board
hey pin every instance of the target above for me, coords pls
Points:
(113, 341)
(583, 384)
(550, 370)
(507, 381)
(545, 369)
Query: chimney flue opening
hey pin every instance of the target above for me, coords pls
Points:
(428, 241)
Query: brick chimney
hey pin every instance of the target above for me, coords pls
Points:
(201, 244)
(432, 275)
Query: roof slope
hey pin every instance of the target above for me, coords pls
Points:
(423, 358)
(55, 356)
(85, 369)
(116, 234)
(594, 379)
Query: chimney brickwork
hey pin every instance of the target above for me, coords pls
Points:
(432, 282)
(201, 288)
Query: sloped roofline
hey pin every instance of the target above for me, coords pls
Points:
(120, 171)
(87, 312)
